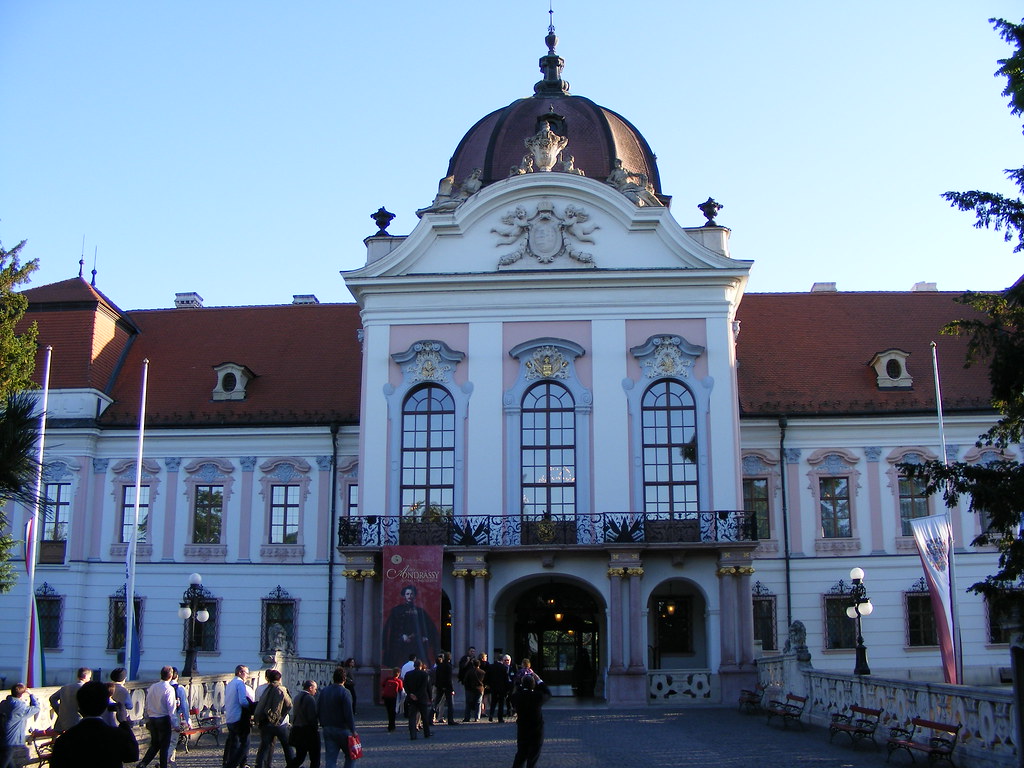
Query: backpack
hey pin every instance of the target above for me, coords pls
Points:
(273, 706)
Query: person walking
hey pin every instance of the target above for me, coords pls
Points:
(350, 681)
(336, 720)
(65, 701)
(417, 694)
(181, 719)
(160, 706)
(498, 679)
(238, 704)
(15, 711)
(92, 742)
(271, 710)
(530, 695)
(390, 689)
(121, 696)
(305, 735)
(444, 689)
(473, 683)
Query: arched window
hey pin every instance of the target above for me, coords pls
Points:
(548, 451)
(669, 427)
(428, 450)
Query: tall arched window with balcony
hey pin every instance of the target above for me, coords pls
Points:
(548, 451)
(669, 431)
(428, 451)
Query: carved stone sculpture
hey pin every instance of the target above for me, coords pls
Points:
(633, 184)
(569, 166)
(545, 146)
(545, 235)
(448, 197)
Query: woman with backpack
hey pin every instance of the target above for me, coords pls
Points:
(390, 691)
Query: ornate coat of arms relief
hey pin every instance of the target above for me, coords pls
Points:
(545, 235)
(667, 355)
(428, 360)
(547, 362)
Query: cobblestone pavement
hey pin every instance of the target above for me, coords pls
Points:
(599, 737)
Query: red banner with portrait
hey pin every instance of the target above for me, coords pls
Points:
(412, 604)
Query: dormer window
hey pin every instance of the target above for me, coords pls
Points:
(232, 380)
(891, 369)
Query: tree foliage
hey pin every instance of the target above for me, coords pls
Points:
(994, 490)
(992, 210)
(18, 420)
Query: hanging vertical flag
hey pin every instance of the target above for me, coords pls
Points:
(934, 542)
(35, 664)
(33, 650)
(130, 633)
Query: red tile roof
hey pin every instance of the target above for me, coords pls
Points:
(809, 353)
(306, 358)
(799, 353)
(87, 331)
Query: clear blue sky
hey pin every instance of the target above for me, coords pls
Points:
(237, 149)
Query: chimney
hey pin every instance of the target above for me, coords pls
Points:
(304, 298)
(189, 300)
(924, 287)
(824, 288)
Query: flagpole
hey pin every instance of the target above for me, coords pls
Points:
(129, 592)
(958, 651)
(32, 538)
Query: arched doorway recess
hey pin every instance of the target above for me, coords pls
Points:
(558, 626)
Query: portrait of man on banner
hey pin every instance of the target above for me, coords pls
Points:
(412, 604)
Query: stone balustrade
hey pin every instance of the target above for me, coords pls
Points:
(988, 738)
(205, 692)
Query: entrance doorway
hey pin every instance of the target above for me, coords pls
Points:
(557, 628)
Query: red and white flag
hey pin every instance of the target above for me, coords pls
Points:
(934, 538)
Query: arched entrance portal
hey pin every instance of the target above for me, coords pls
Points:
(557, 627)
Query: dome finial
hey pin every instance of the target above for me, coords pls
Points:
(552, 64)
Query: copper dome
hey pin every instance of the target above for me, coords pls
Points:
(596, 135)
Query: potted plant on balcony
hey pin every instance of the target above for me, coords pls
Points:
(425, 524)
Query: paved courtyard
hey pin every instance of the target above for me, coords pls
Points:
(598, 737)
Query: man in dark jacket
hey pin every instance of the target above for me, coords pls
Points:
(305, 735)
(473, 683)
(498, 679)
(444, 686)
(417, 693)
(92, 742)
(336, 720)
(529, 697)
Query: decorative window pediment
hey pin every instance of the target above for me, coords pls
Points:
(667, 355)
(891, 369)
(232, 380)
(428, 360)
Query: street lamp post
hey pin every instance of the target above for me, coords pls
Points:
(192, 610)
(860, 605)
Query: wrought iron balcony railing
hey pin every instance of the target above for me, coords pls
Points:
(586, 529)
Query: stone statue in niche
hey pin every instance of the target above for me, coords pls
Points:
(546, 235)
(449, 197)
(633, 185)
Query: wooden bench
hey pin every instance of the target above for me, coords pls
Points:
(751, 698)
(790, 709)
(201, 726)
(859, 724)
(938, 743)
(41, 743)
